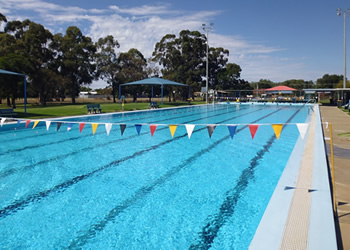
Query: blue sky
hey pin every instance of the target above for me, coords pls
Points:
(271, 39)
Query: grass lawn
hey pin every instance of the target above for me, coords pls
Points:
(52, 110)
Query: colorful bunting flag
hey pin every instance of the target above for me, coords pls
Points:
(138, 128)
(232, 130)
(58, 125)
(302, 127)
(278, 129)
(81, 126)
(69, 127)
(108, 127)
(189, 129)
(35, 123)
(27, 123)
(2, 121)
(18, 122)
(122, 128)
(152, 128)
(48, 123)
(172, 130)
(253, 128)
(211, 129)
(94, 127)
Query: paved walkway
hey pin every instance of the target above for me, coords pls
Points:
(341, 124)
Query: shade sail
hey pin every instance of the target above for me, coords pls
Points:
(154, 81)
(280, 88)
(2, 71)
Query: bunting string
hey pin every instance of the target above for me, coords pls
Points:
(253, 128)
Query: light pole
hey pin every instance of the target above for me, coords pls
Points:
(207, 29)
(339, 13)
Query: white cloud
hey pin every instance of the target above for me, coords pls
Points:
(143, 26)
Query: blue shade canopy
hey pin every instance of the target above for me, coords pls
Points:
(155, 81)
(2, 71)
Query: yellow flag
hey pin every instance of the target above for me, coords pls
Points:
(94, 127)
(35, 123)
(172, 129)
(278, 129)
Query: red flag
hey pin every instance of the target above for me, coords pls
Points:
(153, 128)
(253, 128)
(81, 126)
(27, 123)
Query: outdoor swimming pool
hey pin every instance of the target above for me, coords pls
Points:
(66, 189)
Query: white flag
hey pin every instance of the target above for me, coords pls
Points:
(2, 121)
(189, 128)
(48, 123)
(108, 127)
(302, 127)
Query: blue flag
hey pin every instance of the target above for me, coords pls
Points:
(232, 130)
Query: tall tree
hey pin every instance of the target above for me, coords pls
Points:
(182, 58)
(75, 54)
(328, 81)
(133, 67)
(106, 62)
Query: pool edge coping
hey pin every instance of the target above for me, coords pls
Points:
(321, 232)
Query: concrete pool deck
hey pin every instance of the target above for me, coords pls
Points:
(300, 212)
(341, 124)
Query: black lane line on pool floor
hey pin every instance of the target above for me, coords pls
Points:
(20, 204)
(227, 208)
(8, 172)
(80, 241)
(90, 135)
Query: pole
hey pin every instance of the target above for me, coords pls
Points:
(207, 67)
(344, 81)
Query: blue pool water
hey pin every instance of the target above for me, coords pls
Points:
(65, 189)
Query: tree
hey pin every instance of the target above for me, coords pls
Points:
(328, 81)
(217, 68)
(182, 58)
(262, 84)
(132, 67)
(106, 62)
(75, 56)
(228, 77)
(298, 84)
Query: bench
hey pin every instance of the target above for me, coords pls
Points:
(153, 105)
(7, 112)
(94, 108)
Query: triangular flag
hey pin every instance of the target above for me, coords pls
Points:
(189, 129)
(70, 125)
(152, 128)
(138, 128)
(59, 125)
(27, 123)
(211, 129)
(122, 128)
(94, 127)
(81, 126)
(2, 121)
(253, 128)
(35, 123)
(172, 129)
(48, 123)
(18, 122)
(232, 130)
(278, 129)
(302, 127)
(108, 127)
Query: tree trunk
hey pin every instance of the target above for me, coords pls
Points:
(13, 103)
(8, 102)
